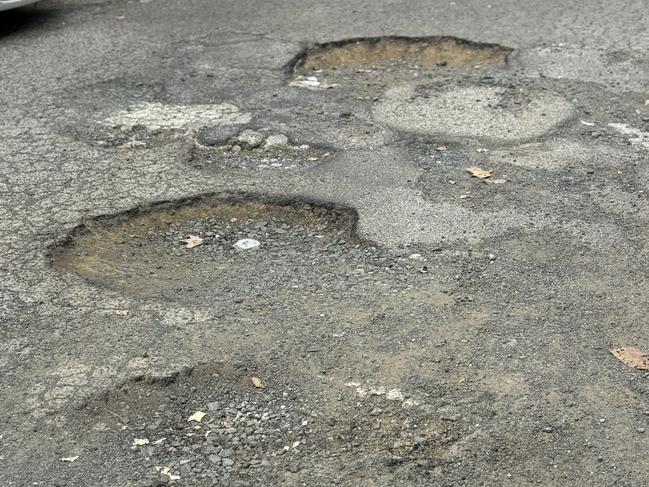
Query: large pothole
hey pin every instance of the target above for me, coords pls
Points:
(371, 64)
(399, 52)
(147, 252)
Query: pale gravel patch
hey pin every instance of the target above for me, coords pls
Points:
(636, 136)
(471, 112)
(157, 116)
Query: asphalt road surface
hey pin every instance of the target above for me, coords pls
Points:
(324, 243)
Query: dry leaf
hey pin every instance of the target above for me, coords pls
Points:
(140, 441)
(632, 357)
(478, 172)
(312, 158)
(197, 416)
(193, 241)
(69, 459)
(256, 381)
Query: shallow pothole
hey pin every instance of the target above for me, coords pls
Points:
(390, 52)
(292, 428)
(252, 150)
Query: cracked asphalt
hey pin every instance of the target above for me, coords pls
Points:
(401, 321)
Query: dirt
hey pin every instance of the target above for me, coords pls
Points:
(399, 52)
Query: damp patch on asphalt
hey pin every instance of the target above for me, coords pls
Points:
(395, 52)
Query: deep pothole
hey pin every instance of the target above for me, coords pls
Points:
(146, 252)
(388, 60)
(387, 52)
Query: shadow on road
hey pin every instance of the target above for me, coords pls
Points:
(25, 19)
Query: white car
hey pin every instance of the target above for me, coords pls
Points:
(8, 4)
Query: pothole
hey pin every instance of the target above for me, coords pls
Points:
(285, 431)
(371, 65)
(399, 52)
(145, 252)
(251, 150)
